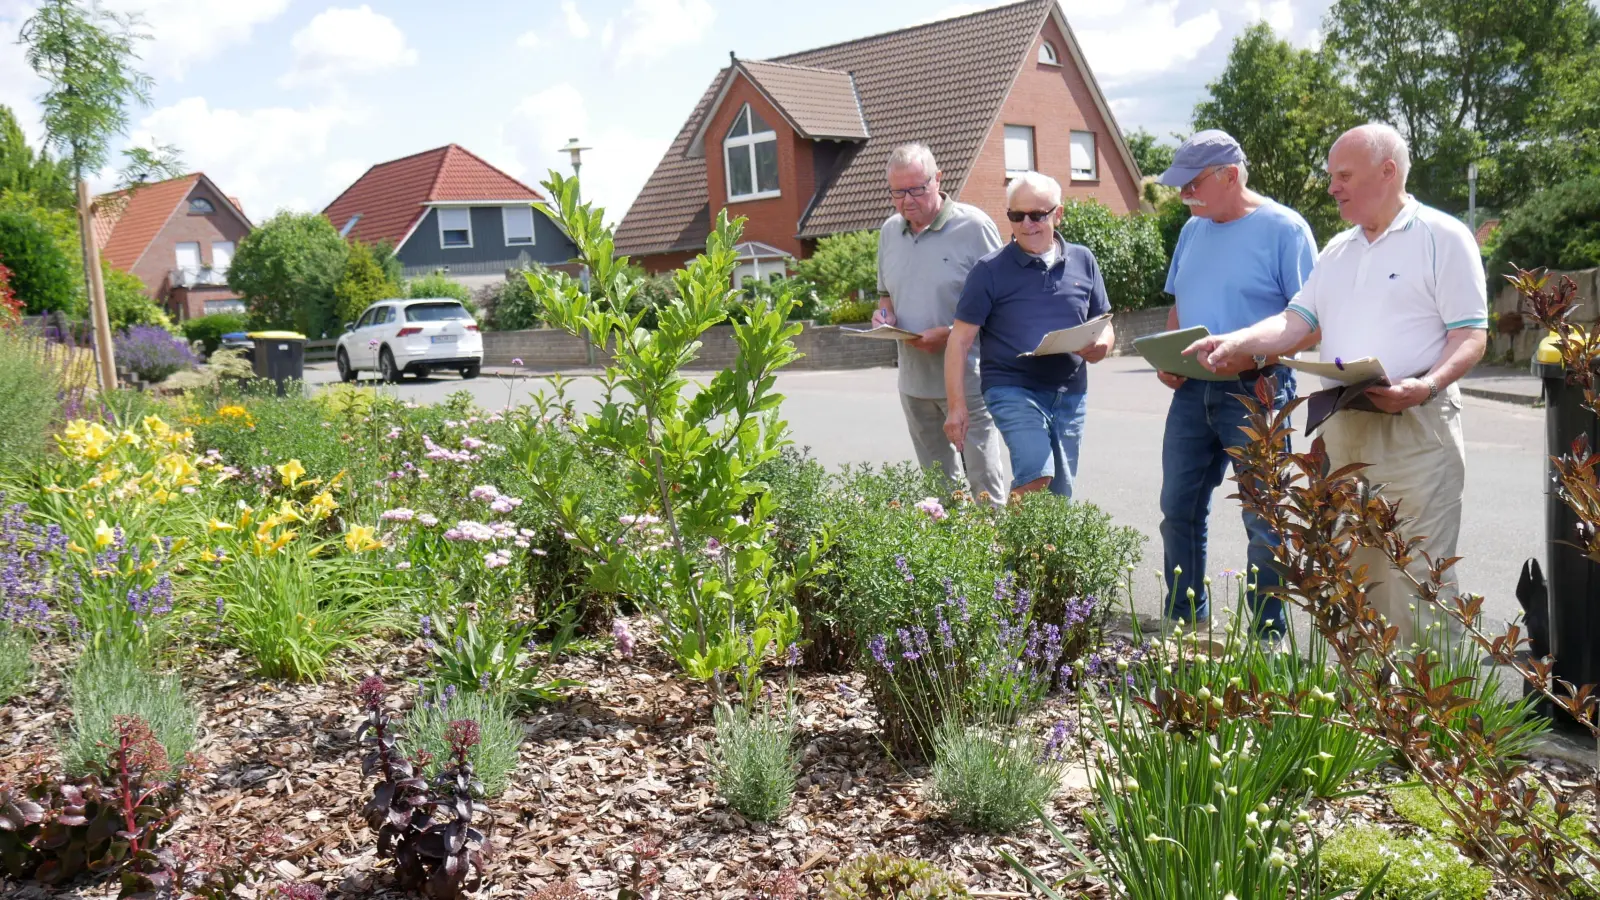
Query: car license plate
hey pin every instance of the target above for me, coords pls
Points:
(444, 338)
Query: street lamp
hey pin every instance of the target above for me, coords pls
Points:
(1472, 196)
(575, 152)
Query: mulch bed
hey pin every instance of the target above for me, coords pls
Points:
(623, 758)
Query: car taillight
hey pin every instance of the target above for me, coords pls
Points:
(407, 331)
(472, 328)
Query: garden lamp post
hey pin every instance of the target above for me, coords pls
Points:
(1472, 197)
(575, 152)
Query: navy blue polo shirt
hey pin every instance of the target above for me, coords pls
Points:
(1014, 300)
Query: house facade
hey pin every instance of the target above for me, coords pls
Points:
(446, 210)
(798, 144)
(178, 237)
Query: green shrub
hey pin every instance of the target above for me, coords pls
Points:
(1419, 868)
(852, 312)
(105, 686)
(365, 281)
(127, 303)
(208, 330)
(437, 284)
(883, 876)
(843, 266)
(994, 779)
(753, 760)
(287, 269)
(1557, 228)
(28, 396)
(1127, 249)
(16, 667)
(510, 305)
(496, 754)
(1063, 550)
(41, 273)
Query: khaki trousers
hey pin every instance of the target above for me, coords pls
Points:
(983, 457)
(1417, 459)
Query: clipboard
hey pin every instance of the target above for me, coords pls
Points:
(1361, 371)
(1072, 340)
(880, 333)
(1164, 351)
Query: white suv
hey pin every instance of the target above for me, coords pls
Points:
(417, 336)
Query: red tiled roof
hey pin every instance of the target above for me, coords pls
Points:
(126, 222)
(393, 196)
(1486, 230)
(941, 83)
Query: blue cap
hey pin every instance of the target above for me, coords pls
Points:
(1212, 147)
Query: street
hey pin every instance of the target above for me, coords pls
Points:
(852, 416)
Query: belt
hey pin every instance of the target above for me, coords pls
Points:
(1259, 371)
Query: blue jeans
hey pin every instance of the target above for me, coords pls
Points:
(1043, 431)
(1202, 423)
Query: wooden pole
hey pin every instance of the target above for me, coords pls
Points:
(95, 282)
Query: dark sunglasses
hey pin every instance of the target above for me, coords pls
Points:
(1017, 215)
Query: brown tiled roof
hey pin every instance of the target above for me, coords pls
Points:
(821, 103)
(941, 83)
(393, 196)
(125, 222)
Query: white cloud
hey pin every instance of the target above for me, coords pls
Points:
(528, 39)
(19, 87)
(615, 167)
(258, 155)
(954, 10)
(654, 28)
(608, 35)
(1279, 14)
(185, 32)
(1147, 39)
(576, 26)
(347, 42)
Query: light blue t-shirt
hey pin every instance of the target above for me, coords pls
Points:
(1232, 275)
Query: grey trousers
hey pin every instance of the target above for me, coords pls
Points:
(983, 460)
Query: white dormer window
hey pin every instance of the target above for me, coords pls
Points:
(1047, 54)
(455, 227)
(750, 156)
(518, 221)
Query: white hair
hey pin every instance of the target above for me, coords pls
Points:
(1384, 143)
(1039, 183)
(913, 156)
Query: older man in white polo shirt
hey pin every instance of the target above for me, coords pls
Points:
(1405, 286)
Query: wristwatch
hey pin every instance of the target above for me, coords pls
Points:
(1433, 389)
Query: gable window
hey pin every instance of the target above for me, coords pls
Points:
(750, 155)
(1083, 156)
(1047, 54)
(518, 221)
(201, 206)
(455, 227)
(1019, 150)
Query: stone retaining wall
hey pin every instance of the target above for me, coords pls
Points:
(823, 346)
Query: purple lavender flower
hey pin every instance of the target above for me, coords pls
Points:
(449, 695)
(1055, 746)
(910, 651)
(905, 568)
(1023, 602)
(793, 656)
(946, 637)
(427, 626)
(880, 652)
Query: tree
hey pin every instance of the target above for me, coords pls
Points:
(287, 271)
(22, 170)
(86, 56)
(1152, 156)
(1557, 228)
(843, 265)
(62, 224)
(128, 303)
(1285, 106)
(149, 164)
(1469, 81)
(1127, 249)
(435, 284)
(365, 282)
(41, 274)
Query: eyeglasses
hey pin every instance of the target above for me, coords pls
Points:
(1036, 215)
(918, 191)
(1194, 183)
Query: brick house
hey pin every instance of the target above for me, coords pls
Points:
(798, 144)
(447, 210)
(176, 236)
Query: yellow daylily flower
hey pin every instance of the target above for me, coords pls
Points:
(75, 547)
(291, 472)
(361, 538)
(156, 426)
(282, 540)
(217, 524)
(322, 505)
(287, 513)
(207, 556)
(104, 534)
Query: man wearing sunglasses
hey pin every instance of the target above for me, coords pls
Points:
(1013, 298)
(1240, 259)
(924, 253)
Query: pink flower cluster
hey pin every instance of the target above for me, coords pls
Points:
(497, 559)
(623, 637)
(933, 508)
(477, 532)
(398, 514)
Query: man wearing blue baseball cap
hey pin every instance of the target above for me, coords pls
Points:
(1240, 258)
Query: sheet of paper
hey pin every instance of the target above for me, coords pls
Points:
(1074, 339)
(881, 333)
(1164, 351)
(1352, 371)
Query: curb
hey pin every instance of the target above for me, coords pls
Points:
(1513, 397)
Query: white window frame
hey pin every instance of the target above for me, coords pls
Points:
(748, 140)
(1007, 137)
(177, 257)
(222, 267)
(200, 206)
(441, 210)
(1093, 172)
(505, 226)
(1048, 55)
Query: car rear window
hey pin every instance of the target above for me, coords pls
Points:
(436, 312)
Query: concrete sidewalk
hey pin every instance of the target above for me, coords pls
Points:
(1508, 384)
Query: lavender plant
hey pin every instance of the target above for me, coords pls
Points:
(753, 759)
(996, 778)
(426, 728)
(30, 562)
(153, 353)
(106, 687)
(16, 663)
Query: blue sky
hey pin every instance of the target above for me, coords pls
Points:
(285, 102)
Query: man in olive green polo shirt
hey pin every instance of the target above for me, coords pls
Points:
(924, 253)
